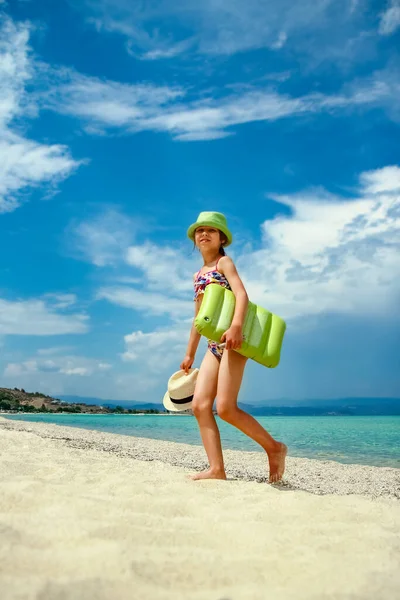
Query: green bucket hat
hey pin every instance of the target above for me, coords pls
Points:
(211, 219)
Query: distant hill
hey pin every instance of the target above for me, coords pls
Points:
(19, 400)
(111, 403)
(340, 406)
(11, 399)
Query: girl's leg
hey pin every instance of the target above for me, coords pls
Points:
(203, 400)
(229, 381)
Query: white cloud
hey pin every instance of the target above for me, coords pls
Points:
(104, 239)
(390, 18)
(24, 163)
(152, 357)
(66, 373)
(107, 105)
(215, 27)
(381, 180)
(354, 5)
(81, 371)
(201, 136)
(331, 255)
(146, 302)
(104, 366)
(202, 121)
(158, 349)
(129, 280)
(162, 52)
(15, 69)
(61, 300)
(146, 290)
(79, 366)
(53, 350)
(36, 317)
(149, 295)
(156, 261)
(17, 369)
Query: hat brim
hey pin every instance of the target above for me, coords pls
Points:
(171, 406)
(209, 223)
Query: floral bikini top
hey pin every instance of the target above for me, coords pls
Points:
(202, 280)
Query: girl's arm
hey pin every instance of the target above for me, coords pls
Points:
(194, 340)
(233, 336)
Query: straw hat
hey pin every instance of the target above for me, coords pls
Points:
(211, 219)
(180, 390)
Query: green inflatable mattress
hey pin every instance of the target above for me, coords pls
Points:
(262, 330)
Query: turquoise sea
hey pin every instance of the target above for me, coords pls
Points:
(359, 440)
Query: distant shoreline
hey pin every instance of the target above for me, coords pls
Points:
(177, 414)
(94, 414)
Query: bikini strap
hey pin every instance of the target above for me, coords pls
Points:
(216, 266)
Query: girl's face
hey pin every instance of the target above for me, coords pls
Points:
(207, 238)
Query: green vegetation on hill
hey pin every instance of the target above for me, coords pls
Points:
(18, 400)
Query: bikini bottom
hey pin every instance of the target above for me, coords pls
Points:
(216, 349)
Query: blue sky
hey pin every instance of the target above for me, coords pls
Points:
(120, 121)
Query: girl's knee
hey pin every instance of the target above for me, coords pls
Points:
(201, 406)
(226, 411)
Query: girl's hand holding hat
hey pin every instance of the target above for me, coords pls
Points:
(187, 363)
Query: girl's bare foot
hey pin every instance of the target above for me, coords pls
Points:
(277, 463)
(210, 474)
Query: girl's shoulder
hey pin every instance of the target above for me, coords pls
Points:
(224, 262)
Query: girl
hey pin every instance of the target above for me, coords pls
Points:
(222, 368)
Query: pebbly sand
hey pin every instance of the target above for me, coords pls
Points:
(86, 515)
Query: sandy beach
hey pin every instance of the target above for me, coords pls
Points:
(97, 516)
